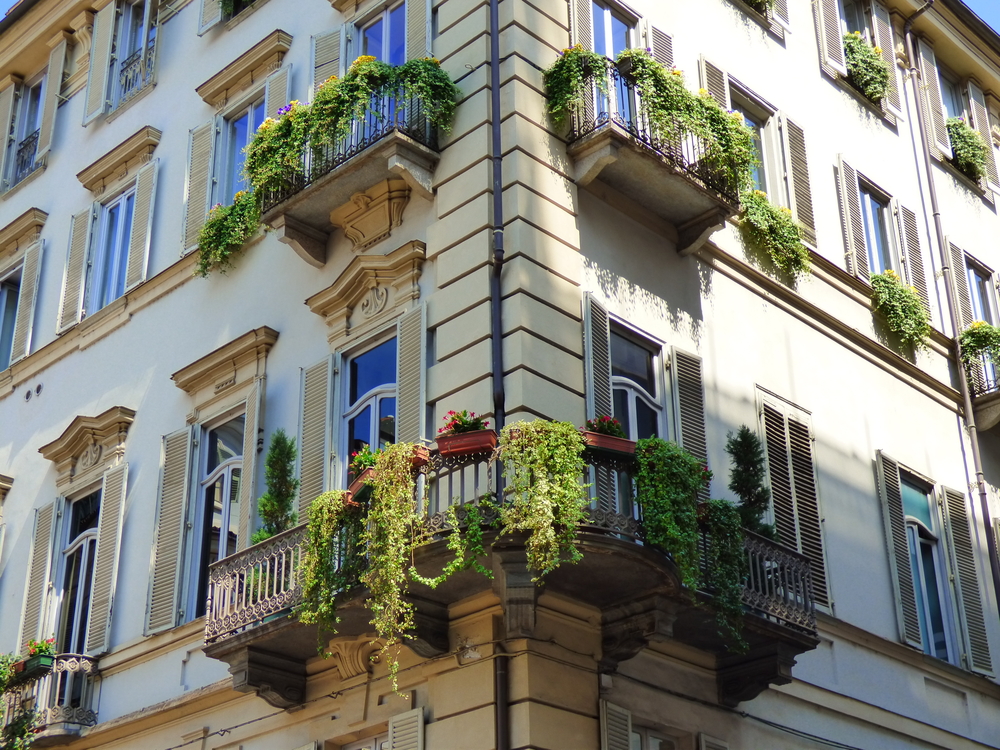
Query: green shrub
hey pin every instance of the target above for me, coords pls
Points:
(969, 151)
(901, 308)
(275, 507)
(866, 69)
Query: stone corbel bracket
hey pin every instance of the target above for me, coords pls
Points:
(745, 677)
(6, 483)
(628, 628)
(280, 681)
(307, 242)
(692, 234)
(518, 593)
(370, 217)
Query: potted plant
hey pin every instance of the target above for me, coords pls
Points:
(605, 434)
(360, 469)
(465, 433)
(867, 71)
(969, 151)
(41, 656)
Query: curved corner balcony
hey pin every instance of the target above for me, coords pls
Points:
(620, 155)
(61, 699)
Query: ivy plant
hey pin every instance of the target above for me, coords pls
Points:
(977, 341)
(565, 80)
(900, 306)
(226, 231)
(18, 732)
(866, 69)
(726, 563)
(772, 229)
(275, 506)
(969, 151)
(761, 6)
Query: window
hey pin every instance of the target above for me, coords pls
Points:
(641, 738)
(9, 289)
(857, 16)
(238, 130)
(369, 417)
(769, 174)
(78, 551)
(27, 127)
(384, 36)
(635, 376)
(952, 96)
(109, 258)
(122, 57)
(613, 32)
(372, 743)
(878, 236)
(977, 301)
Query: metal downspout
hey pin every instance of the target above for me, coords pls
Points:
(496, 314)
(950, 293)
(501, 687)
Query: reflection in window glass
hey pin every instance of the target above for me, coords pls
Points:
(926, 566)
(370, 411)
(875, 213)
(374, 368)
(634, 387)
(8, 314)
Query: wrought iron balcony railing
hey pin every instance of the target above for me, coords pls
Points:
(622, 107)
(62, 701)
(136, 72)
(983, 377)
(24, 158)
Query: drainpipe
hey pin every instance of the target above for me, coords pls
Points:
(970, 420)
(499, 396)
(500, 687)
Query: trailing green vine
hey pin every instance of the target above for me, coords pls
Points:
(901, 308)
(969, 151)
(565, 80)
(977, 341)
(866, 69)
(467, 546)
(226, 231)
(18, 733)
(726, 563)
(772, 229)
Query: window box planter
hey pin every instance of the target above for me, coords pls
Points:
(598, 441)
(421, 456)
(358, 488)
(467, 443)
(33, 668)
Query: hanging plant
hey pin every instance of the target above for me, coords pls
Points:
(901, 308)
(748, 479)
(867, 71)
(467, 545)
(772, 229)
(7, 662)
(433, 88)
(542, 465)
(761, 6)
(977, 341)
(969, 151)
(566, 80)
(18, 732)
(274, 155)
(726, 565)
(225, 232)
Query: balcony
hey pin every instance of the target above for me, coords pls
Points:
(62, 700)
(393, 143)
(669, 171)
(984, 386)
(24, 158)
(250, 622)
(136, 72)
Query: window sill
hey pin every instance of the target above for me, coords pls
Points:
(141, 95)
(763, 20)
(964, 180)
(876, 109)
(39, 168)
(243, 14)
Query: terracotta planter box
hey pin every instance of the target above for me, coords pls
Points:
(358, 485)
(467, 443)
(609, 443)
(421, 455)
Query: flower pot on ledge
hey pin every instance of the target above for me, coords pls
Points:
(608, 443)
(359, 486)
(32, 668)
(421, 455)
(467, 443)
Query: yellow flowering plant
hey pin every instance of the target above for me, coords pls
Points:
(977, 341)
(772, 229)
(901, 308)
(867, 71)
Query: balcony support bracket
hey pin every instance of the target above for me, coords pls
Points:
(518, 593)
(280, 681)
(744, 677)
(628, 628)
(430, 637)
(414, 167)
(692, 234)
(590, 159)
(307, 242)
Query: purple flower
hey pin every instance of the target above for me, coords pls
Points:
(284, 110)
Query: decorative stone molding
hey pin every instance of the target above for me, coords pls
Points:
(745, 677)
(307, 242)
(122, 160)
(392, 278)
(277, 679)
(629, 628)
(369, 217)
(78, 60)
(253, 66)
(25, 230)
(353, 658)
(5, 484)
(88, 446)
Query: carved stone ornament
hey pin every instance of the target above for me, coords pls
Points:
(354, 658)
(88, 458)
(88, 445)
(369, 217)
(375, 301)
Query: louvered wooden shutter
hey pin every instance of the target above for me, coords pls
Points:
(406, 730)
(831, 41)
(616, 727)
(975, 644)
(410, 377)
(933, 106)
(807, 513)
(583, 23)
(711, 743)
(797, 170)
(211, 14)
(910, 239)
(325, 57)
(26, 295)
(886, 43)
(661, 45)
(981, 122)
(251, 427)
(716, 81)
(313, 448)
(779, 17)
(856, 251)
(165, 563)
(780, 475)
(690, 401)
(53, 87)
(142, 226)
(76, 261)
(198, 191)
(109, 534)
(418, 29)
(894, 520)
(6, 123)
(276, 89)
(959, 272)
(597, 358)
(96, 99)
(39, 573)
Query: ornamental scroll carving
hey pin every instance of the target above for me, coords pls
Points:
(354, 658)
(375, 301)
(370, 217)
(88, 457)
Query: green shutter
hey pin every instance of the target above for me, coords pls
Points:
(716, 81)
(780, 475)
(660, 44)
(597, 358)
(109, 535)
(808, 517)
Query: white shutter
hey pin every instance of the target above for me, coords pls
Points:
(53, 87)
(779, 16)
(886, 43)
(31, 269)
(909, 239)
(314, 434)
(276, 89)
(76, 267)
(36, 596)
(410, 349)
(6, 127)
(198, 190)
(418, 29)
(597, 358)
(211, 14)
(689, 402)
(933, 105)
(981, 122)
(808, 517)
(716, 81)
(251, 428)
(616, 727)
(98, 75)
(831, 40)
(109, 535)
(959, 272)
(582, 23)
(659, 43)
(406, 730)
(142, 226)
(711, 743)
(326, 53)
(797, 172)
(856, 251)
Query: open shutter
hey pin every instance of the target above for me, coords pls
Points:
(406, 730)
(975, 644)
(251, 428)
(109, 535)
(76, 261)
(716, 81)
(616, 727)
(807, 513)
(39, 572)
(198, 191)
(410, 348)
(779, 17)
(314, 434)
(780, 475)
(276, 91)
(597, 358)
(165, 562)
(886, 43)
(26, 295)
(981, 122)
(583, 23)
(142, 226)
(933, 106)
(960, 275)
(418, 29)
(53, 87)
(6, 127)
(660, 44)
(894, 520)
(689, 391)
(797, 173)
(856, 251)
(325, 57)
(100, 62)
(831, 41)
(211, 14)
(910, 238)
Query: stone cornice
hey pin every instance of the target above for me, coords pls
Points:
(89, 444)
(249, 68)
(21, 232)
(217, 368)
(119, 161)
(5, 484)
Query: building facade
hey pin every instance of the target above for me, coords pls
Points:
(596, 269)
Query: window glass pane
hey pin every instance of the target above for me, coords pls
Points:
(372, 40)
(121, 251)
(214, 496)
(386, 422)
(876, 232)
(234, 512)
(630, 360)
(635, 741)
(83, 514)
(621, 410)
(936, 636)
(111, 229)
(854, 17)
(359, 431)
(71, 593)
(8, 314)
(397, 35)
(757, 126)
(225, 442)
(372, 369)
(951, 95)
(600, 44)
(619, 36)
(238, 130)
(980, 286)
(645, 419)
(916, 504)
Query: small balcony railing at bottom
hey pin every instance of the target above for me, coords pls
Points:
(64, 696)
(24, 158)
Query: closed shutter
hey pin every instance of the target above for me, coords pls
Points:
(109, 535)
(933, 106)
(981, 122)
(142, 226)
(26, 296)
(198, 191)
(165, 563)
(780, 475)
(76, 261)
(797, 171)
(856, 251)
(597, 358)
(406, 730)
(689, 391)
(313, 448)
(616, 727)
(807, 513)
(831, 41)
(779, 17)
(716, 81)
(100, 63)
(251, 428)
(910, 239)
(211, 14)
(583, 23)
(276, 89)
(6, 118)
(975, 644)
(886, 43)
(325, 57)
(410, 377)
(39, 572)
(660, 44)
(894, 521)
(53, 87)
(418, 29)
(959, 272)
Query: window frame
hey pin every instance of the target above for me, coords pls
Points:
(9, 323)
(868, 29)
(147, 30)
(659, 401)
(37, 83)
(222, 168)
(877, 194)
(86, 540)
(100, 249)
(773, 157)
(381, 11)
